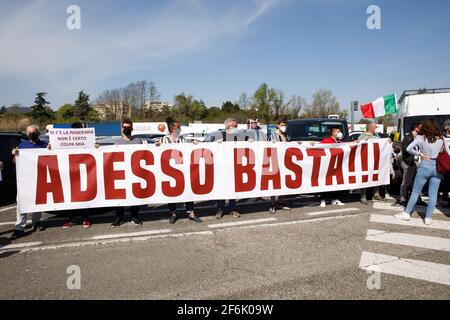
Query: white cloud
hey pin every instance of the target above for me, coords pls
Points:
(41, 50)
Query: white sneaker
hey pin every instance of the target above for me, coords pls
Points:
(427, 221)
(323, 204)
(337, 202)
(403, 216)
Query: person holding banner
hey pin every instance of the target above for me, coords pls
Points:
(430, 143)
(127, 138)
(335, 137)
(279, 135)
(174, 137)
(370, 133)
(33, 134)
(232, 133)
(73, 214)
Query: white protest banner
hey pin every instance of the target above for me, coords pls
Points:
(72, 138)
(128, 175)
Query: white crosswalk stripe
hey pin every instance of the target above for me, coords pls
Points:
(406, 239)
(409, 268)
(405, 267)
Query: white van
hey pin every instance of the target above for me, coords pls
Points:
(419, 105)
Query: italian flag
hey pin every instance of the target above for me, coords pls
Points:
(380, 107)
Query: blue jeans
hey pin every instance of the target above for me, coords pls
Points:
(427, 172)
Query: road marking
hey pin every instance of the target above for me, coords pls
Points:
(131, 234)
(409, 268)
(35, 248)
(239, 223)
(411, 240)
(20, 245)
(389, 206)
(319, 213)
(7, 208)
(106, 241)
(287, 223)
(414, 222)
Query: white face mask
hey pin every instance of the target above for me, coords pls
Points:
(339, 136)
(283, 129)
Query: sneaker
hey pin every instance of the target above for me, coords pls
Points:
(173, 219)
(87, 223)
(337, 202)
(117, 222)
(136, 221)
(283, 206)
(272, 210)
(403, 216)
(235, 214)
(219, 214)
(195, 219)
(323, 204)
(427, 221)
(17, 234)
(377, 197)
(69, 224)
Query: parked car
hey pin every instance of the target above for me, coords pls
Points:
(315, 129)
(8, 141)
(150, 138)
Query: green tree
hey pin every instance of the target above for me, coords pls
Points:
(229, 107)
(82, 108)
(66, 113)
(261, 105)
(40, 111)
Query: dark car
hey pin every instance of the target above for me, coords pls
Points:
(150, 137)
(243, 135)
(9, 141)
(315, 129)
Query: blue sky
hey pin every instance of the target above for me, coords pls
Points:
(216, 50)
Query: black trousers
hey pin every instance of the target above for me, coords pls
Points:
(120, 212)
(189, 207)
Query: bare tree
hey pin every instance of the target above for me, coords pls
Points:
(324, 103)
(276, 100)
(244, 102)
(294, 106)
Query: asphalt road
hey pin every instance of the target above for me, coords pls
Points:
(349, 252)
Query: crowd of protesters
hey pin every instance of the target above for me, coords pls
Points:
(420, 150)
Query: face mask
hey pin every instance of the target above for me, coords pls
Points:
(177, 132)
(339, 136)
(127, 131)
(283, 129)
(34, 136)
(235, 131)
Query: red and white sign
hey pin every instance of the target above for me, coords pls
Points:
(128, 175)
(72, 138)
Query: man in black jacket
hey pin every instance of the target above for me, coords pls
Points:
(408, 163)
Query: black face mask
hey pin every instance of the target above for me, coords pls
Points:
(127, 131)
(34, 136)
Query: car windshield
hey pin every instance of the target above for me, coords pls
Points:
(312, 130)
